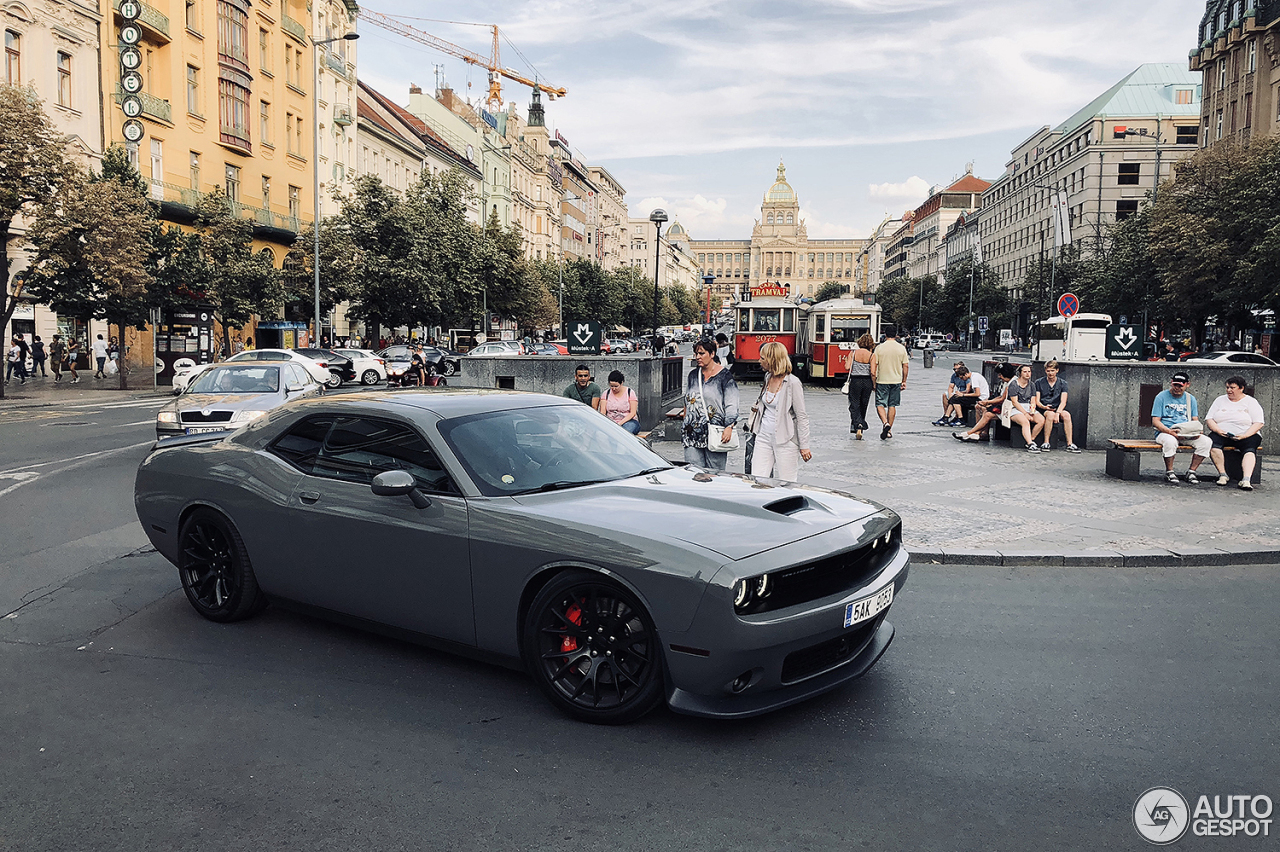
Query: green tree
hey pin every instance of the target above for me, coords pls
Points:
(1215, 234)
(901, 298)
(236, 281)
(830, 290)
(33, 170)
(990, 299)
(93, 245)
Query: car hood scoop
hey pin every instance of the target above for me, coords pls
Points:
(734, 516)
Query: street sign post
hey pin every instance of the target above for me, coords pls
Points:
(1123, 343)
(982, 324)
(584, 338)
(1068, 305)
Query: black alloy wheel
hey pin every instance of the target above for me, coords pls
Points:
(593, 649)
(369, 377)
(214, 567)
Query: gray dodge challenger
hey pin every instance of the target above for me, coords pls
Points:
(527, 529)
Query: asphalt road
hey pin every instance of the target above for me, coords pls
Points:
(1017, 709)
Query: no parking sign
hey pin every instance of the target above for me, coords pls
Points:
(1068, 305)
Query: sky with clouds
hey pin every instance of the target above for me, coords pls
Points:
(692, 104)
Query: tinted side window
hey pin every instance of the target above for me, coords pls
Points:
(300, 446)
(358, 449)
(272, 356)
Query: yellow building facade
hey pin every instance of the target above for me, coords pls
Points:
(226, 101)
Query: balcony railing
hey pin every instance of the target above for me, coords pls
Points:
(342, 114)
(337, 64)
(151, 18)
(188, 197)
(293, 28)
(151, 105)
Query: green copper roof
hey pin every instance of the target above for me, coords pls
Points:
(1148, 91)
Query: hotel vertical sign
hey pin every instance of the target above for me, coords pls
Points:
(130, 77)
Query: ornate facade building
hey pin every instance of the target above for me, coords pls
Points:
(779, 250)
(1239, 56)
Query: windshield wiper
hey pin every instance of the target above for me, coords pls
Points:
(558, 485)
(653, 470)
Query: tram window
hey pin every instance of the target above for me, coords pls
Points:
(820, 328)
(849, 329)
(742, 321)
(788, 320)
(766, 320)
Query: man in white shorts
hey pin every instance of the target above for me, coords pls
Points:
(1175, 414)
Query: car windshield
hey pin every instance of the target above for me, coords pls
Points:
(238, 379)
(541, 449)
(396, 353)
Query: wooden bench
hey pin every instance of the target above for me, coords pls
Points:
(1124, 457)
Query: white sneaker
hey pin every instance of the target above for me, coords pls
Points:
(1171, 477)
(1032, 448)
(1044, 448)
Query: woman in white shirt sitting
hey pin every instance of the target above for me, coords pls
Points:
(1234, 420)
(779, 419)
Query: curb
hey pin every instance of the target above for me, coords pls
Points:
(1190, 557)
(47, 401)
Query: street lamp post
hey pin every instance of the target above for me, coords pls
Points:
(657, 217)
(315, 152)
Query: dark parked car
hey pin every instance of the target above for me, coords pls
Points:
(340, 366)
(528, 527)
(398, 357)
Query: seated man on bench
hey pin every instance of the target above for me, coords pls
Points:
(1234, 420)
(1175, 414)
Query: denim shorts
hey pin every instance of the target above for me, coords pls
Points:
(888, 395)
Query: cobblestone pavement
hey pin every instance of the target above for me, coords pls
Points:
(988, 498)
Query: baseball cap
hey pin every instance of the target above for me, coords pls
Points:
(1180, 377)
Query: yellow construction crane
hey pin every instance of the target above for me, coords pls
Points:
(492, 63)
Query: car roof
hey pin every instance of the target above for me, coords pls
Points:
(444, 403)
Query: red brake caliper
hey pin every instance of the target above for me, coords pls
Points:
(574, 614)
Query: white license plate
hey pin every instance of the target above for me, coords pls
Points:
(199, 430)
(868, 607)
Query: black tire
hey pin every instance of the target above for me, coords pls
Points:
(622, 656)
(449, 368)
(335, 380)
(369, 377)
(214, 568)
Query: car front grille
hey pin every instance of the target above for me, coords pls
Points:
(194, 416)
(834, 575)
(826, 656)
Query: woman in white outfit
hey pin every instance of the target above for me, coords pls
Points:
(778, 419)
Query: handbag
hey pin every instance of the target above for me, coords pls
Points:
(1190, 429)
(715, 443)
(757, 415)
(845, 388)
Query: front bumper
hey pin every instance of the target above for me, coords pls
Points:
(823, 653)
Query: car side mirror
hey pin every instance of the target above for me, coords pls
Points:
(293, 388)
(398, 483)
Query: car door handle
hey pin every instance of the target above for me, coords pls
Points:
(309, 497)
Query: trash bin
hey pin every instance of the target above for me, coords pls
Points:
(928, 358)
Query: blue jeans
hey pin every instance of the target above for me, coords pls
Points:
(704, 458)
(632, 426)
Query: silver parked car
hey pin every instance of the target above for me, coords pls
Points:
(227, 396)
(528, 527)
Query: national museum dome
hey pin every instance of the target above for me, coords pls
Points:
(781, 192)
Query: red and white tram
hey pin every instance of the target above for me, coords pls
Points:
(832, 329)
(767, 316)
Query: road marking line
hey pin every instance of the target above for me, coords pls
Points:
(78, 458)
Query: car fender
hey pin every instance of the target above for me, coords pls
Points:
(541, 576)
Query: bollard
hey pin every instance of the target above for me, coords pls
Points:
(928, 358)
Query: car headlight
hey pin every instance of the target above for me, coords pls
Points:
(749, 591)
(246, 416)
(167, 417)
